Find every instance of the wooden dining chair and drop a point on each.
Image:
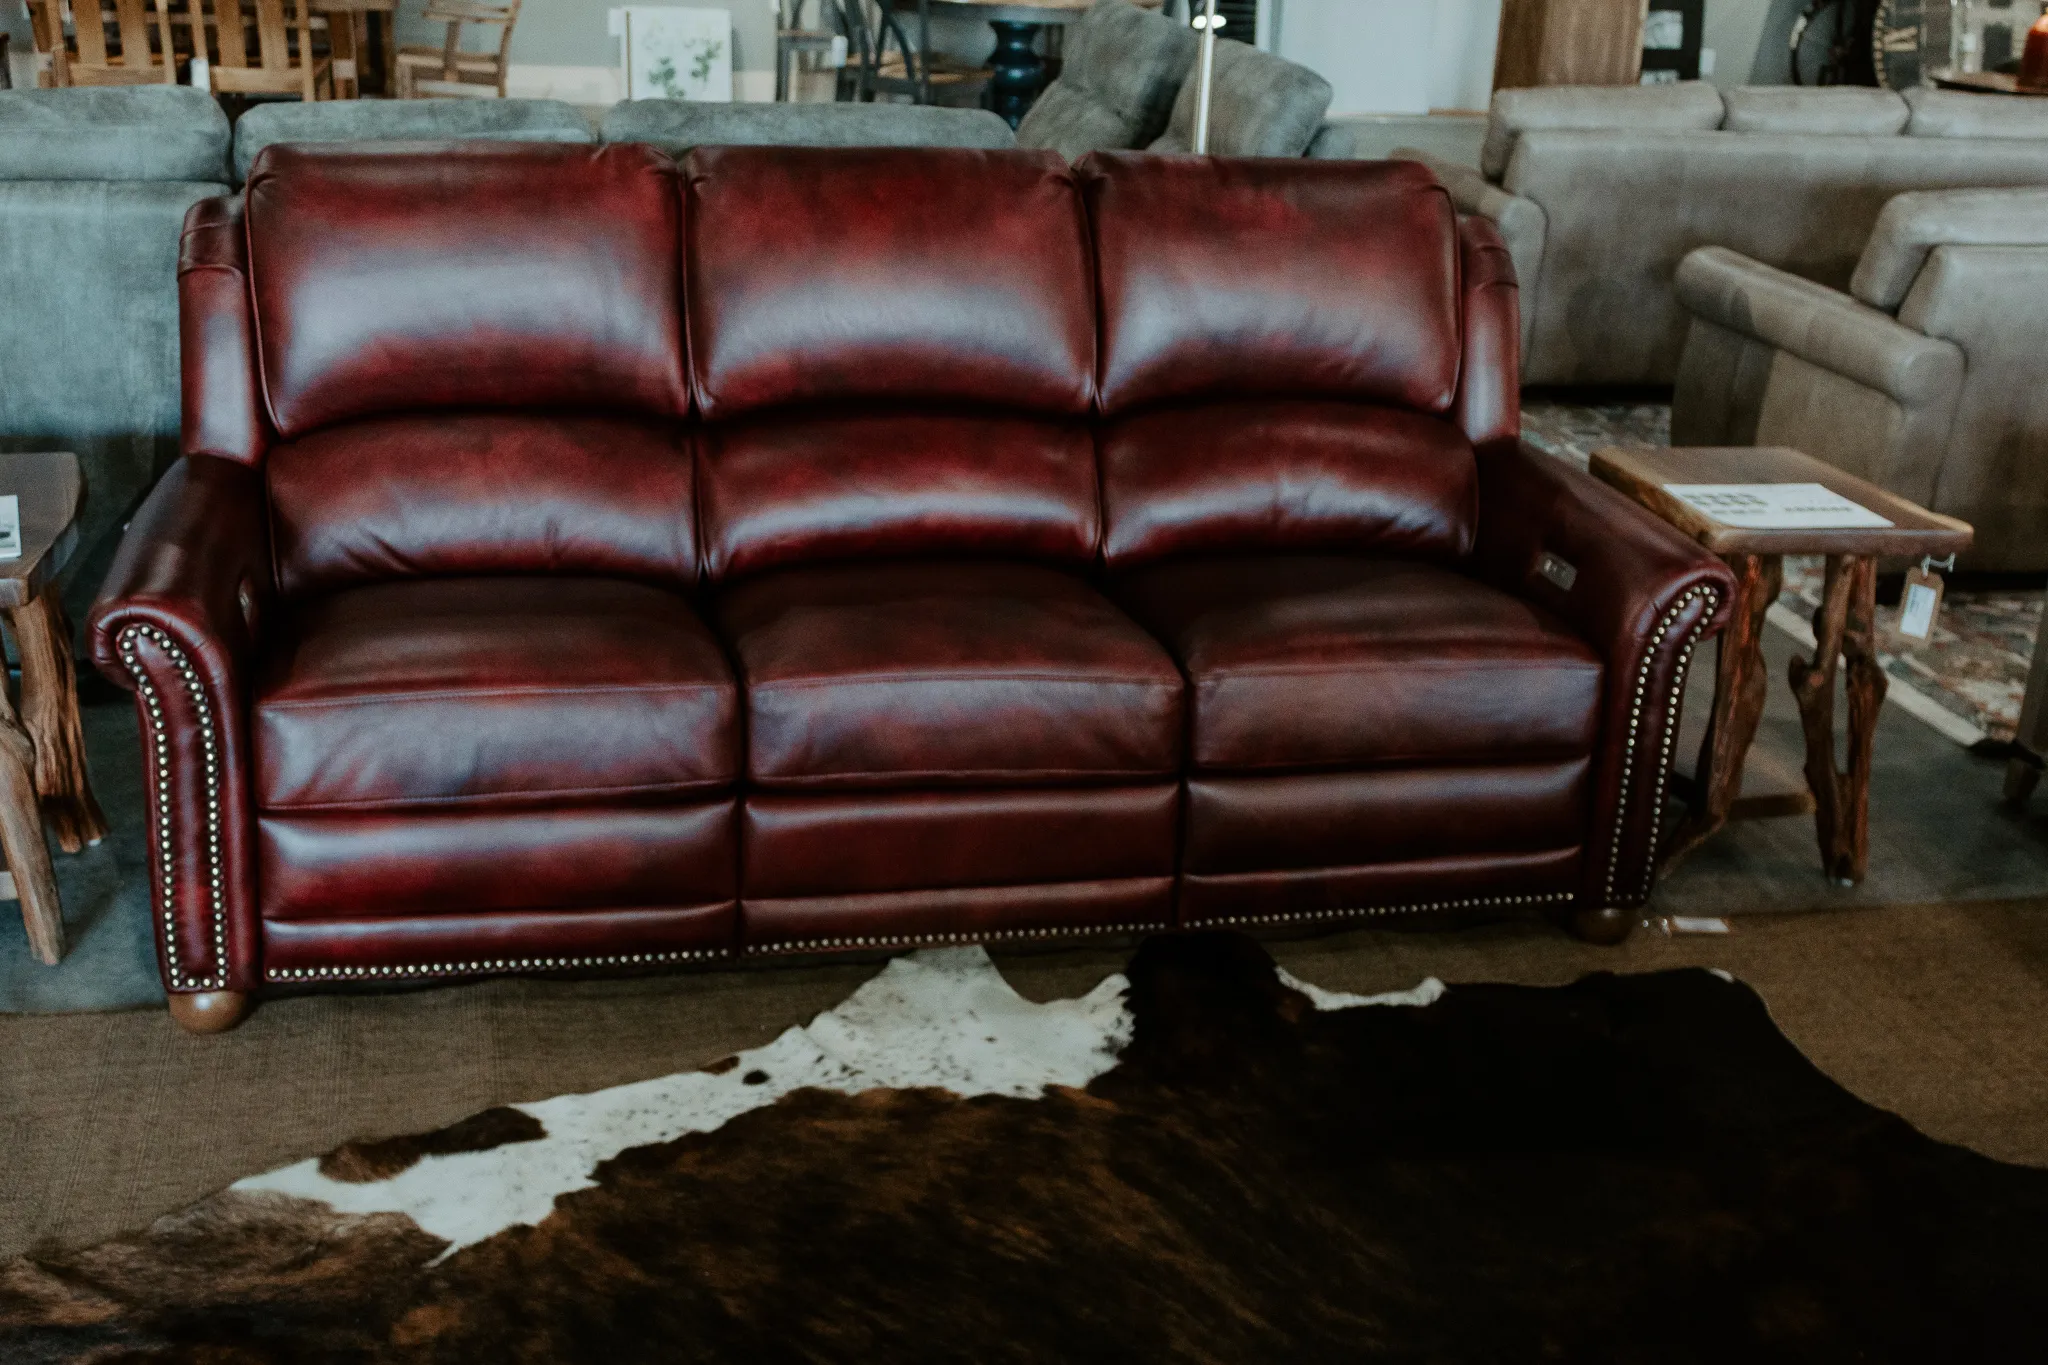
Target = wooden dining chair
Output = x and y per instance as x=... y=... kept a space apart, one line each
x=448 y=70
x=916 y=70
x=120 y=42
x=261 y=47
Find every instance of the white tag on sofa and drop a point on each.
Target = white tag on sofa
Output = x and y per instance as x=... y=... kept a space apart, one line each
x=10 y=526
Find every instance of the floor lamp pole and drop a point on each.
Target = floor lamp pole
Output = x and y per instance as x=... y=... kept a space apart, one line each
x=1207 y=78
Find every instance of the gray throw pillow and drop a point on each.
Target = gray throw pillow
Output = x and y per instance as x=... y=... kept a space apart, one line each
x=1116 y=90
x=1261 y=105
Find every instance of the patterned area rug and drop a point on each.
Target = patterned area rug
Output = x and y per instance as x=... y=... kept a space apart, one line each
x=1201 y=1160
x=1973 y=671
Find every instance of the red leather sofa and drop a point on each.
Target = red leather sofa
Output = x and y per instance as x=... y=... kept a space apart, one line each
x=581 y=562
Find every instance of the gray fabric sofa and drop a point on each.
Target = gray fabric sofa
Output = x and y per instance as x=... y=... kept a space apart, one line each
x=94 y=184
x=675 y=126
x=406 y=120
x=1600 y=193
x=1130 y=80
x=1928 y=376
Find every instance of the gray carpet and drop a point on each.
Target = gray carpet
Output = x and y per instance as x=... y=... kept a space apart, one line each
x=111 y=960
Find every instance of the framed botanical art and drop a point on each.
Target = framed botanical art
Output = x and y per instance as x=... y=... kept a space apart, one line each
x=674 y=53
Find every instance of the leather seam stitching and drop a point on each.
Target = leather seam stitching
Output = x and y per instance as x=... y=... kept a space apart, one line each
x=1377 y=911
x=463 y=694
x=500 y=800
x=927 y=940
x=481 y=965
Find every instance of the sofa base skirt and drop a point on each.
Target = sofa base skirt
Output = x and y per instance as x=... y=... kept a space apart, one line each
x=394 y=949
x=1468 y=884
x=980 y=914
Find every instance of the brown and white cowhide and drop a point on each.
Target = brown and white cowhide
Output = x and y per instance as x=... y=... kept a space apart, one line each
x=1202 y=1160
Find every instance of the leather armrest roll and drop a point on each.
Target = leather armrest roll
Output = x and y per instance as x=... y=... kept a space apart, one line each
x=1820 y=326
x=1641 y=594
x=177 y=622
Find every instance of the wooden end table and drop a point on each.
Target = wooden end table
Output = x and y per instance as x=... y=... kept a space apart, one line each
x=1844 y=627
x=42 y=748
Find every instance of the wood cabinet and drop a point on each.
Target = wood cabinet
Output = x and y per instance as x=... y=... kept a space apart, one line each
x=1569 y=42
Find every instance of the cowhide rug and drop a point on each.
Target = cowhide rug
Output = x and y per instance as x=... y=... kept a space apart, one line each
x=1207 y=1161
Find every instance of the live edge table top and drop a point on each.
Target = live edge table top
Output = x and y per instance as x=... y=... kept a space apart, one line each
x=50 y=491
x=1642 y=472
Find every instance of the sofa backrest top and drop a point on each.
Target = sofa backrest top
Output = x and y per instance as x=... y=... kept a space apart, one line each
x=1959 y=113
x=509 y=275
x=1689 y=106
x=408 y=121
x=151 y=132
x=1252 y=279
x=1835 y=110
x=1260 y=105
x=676 y=126
x=1913 y=225
x=1122 y=68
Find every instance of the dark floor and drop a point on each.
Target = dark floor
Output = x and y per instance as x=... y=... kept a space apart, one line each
x=1925 y=991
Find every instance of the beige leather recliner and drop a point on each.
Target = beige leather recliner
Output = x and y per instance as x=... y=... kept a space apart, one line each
x=1599 y=193
x=1929 y=376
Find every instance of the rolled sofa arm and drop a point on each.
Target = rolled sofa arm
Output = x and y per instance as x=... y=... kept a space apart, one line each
x=1641 y=594
x=177 y=623
x=1820 y=326
x=1524 y=227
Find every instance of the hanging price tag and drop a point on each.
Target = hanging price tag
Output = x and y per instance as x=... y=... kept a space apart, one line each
x=1920 y=603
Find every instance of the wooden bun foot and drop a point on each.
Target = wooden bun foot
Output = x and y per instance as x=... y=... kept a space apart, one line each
x=1606 y=926
x=209 y=1011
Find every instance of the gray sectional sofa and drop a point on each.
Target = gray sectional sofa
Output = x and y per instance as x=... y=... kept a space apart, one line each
x=1600 y=193
x=94 y=184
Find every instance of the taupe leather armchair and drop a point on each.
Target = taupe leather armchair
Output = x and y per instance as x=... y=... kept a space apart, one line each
x=1929 y=377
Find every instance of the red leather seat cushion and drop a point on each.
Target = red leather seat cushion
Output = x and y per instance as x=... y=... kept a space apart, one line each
x=946 y=673
x=1323 y=662
x=463 y=692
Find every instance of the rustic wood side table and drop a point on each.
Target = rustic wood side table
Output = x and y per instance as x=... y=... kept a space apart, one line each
x=1844 y=627
x=42 y=748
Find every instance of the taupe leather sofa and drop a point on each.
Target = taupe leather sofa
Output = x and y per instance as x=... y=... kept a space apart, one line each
x=1600 y=193
x=1929 y=376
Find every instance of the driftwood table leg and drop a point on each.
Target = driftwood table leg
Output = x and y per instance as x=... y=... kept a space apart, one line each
x=1741 y=685
x=49 y=711
x=1843 y=628
x=21 y=839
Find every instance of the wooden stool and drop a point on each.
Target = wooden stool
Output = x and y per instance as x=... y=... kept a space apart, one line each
x=1844 y=627
x=42 y=749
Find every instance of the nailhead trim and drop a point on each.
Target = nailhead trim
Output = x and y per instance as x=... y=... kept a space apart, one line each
x=158 y=746
x=502 y=964
x=1380 y=911
x=931 y=940
x=1635 y=721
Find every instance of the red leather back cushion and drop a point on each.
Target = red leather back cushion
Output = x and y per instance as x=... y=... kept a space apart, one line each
x=934 y=274
x=486 y=493
x=782 y=489
x=407 y=276
x=1286 y=475
x=1261 y=278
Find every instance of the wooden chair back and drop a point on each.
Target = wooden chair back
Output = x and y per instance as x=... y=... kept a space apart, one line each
x=260 y=47
x=461 y=72
x=114 y=42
